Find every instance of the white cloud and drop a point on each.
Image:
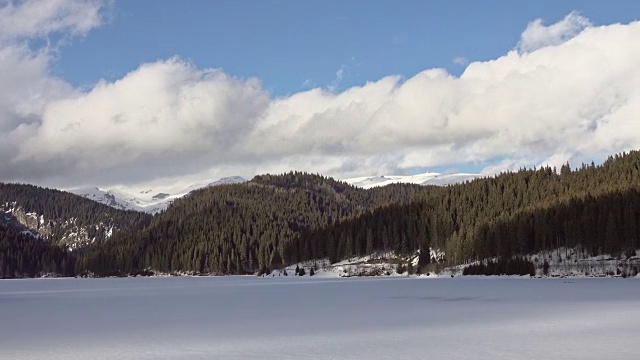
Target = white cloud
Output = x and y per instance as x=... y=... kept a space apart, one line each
x=36 y=18
x=338 y=79
x=537 y=35
x=460 y=60
x=340 y=73
x=576 y=100
x=26 y=86
x=167 y=107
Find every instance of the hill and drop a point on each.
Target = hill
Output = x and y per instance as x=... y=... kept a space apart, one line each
x=44 y=230
x=62 y=218
x=239 y=228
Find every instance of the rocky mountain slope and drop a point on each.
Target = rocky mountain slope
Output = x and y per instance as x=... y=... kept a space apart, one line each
x=61 y=218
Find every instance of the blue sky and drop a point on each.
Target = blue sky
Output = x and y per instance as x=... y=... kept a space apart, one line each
x=158 y=93
x=296 y=45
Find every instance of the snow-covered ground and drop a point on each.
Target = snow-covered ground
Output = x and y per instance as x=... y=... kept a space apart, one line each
x=376 y=264
x=578 y=262
x=302 y=318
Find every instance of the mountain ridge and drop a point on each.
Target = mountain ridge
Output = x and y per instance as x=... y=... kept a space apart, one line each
x=153 y=202
x=428 y=178
x=61 y=218
x=148 y=201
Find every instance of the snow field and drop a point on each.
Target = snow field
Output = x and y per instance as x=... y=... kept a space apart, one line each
x=246 y=317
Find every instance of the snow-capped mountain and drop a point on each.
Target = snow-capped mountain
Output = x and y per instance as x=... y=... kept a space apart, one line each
x=147 y=200
x=429 y=178
x=152 y=202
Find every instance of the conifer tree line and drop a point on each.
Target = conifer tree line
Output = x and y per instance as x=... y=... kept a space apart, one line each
x=594 y=207
x=23 y=256
x=275 y=220
x=501 y=266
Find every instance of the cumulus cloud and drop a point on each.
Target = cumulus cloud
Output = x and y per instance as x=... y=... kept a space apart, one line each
x=556 y=98
x=537 y=35
x=161 y=109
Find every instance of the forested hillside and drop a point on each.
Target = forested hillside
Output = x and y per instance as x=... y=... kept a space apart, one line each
x=240 y=228
x=62 y=218
x=43 y=231
x=23 y=255
x=595 y=207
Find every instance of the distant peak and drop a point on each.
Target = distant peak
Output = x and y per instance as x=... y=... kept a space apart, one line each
x=160 y=196
x=428 y=178
x=228 y=180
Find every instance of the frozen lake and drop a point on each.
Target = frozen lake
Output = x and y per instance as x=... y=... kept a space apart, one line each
x=289 y=318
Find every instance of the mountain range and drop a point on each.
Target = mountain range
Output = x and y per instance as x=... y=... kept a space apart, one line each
x=153 y=202
x=507 y=224
x=428 y=178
